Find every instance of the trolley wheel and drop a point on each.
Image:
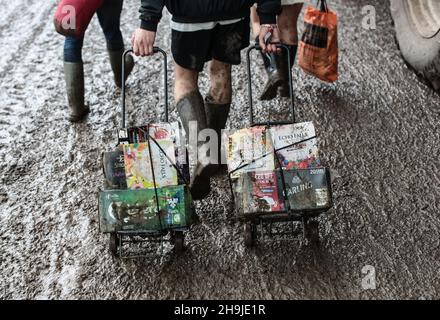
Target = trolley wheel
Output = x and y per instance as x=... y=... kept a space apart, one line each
x=114 y=243
x=312 y=232
x=249 y=235
x=179 y=240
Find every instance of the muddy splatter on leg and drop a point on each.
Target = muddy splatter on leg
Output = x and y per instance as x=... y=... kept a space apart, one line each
x=221 y=84
x=186 y=81
x=217 y=107
x=287 y=23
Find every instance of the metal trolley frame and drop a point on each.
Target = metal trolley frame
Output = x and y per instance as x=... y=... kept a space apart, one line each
x=176 y=235
x=265 y=220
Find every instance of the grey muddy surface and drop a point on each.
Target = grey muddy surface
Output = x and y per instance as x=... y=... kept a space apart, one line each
x=379 y=132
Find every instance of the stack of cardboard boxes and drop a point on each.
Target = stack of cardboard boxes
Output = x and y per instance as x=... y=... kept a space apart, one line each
x=142 y=179
x=258 y=159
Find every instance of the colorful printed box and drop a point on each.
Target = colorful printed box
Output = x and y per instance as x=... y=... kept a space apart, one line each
x=259 y=193
x=136 y=210
x=300 y=156
x=307 y=189
x=114 y=170
x=159 y=132
x=251 y=147
x=139 y=168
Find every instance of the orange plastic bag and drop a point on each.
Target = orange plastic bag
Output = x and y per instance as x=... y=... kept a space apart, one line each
x=318 y=48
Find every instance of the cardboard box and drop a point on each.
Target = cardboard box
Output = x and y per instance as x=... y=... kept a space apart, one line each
x=136 y=210
x=251 y=146
x=303 y=154
x=307 y=189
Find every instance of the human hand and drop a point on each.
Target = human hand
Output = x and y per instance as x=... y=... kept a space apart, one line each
x=269 y=38
x=142 y=42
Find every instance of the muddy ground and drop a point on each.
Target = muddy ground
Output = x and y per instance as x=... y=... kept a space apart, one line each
x=379 y=132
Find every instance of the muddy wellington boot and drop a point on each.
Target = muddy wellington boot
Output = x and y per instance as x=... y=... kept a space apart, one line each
x=192 y=108
x=74 y=76
x=216 y=117
x=274 y=76
x=284 y=89
x=116 y=63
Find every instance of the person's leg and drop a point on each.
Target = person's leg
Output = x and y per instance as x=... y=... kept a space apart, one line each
x=188 y=98
x=186 y=81
x=190 y=52
x=190 y=107
x=229 y=40
x=218 y=104
x=73 y=50
x=74 y=77
x=220 y=91
x=255 y=21
x=274 y=78
x=109 y=16
x=276 y=64
x=288 y=24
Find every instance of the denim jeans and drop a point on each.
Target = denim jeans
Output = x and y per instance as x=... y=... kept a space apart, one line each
x=109 y=16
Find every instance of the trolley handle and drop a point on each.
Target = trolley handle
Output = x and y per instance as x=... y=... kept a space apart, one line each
x=165 y=64
x=249 y=78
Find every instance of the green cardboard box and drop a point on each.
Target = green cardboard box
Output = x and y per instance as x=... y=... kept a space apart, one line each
x=136 y=210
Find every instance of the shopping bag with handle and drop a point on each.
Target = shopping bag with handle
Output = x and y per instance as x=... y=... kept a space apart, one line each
x=318 y=48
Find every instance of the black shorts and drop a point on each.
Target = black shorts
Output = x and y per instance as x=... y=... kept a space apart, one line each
x=191 y=50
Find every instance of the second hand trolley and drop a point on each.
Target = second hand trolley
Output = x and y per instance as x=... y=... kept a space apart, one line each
x=146 y=208
x=265 y=220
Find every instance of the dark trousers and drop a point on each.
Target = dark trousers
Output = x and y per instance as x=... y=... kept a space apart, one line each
x=109 y=16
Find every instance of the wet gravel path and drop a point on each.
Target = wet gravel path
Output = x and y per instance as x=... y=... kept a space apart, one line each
x=378 y=128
